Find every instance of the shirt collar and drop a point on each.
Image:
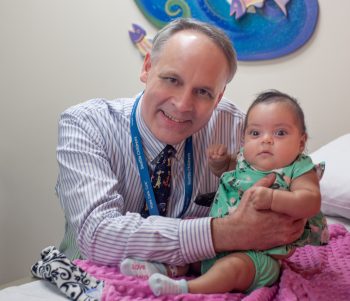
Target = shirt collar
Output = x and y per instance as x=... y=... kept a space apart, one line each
x=151 y=145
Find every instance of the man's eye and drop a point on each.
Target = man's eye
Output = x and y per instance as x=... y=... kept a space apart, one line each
x=204 y=92
x=171 y=80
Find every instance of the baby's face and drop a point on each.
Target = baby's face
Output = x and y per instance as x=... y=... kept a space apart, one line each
x=273 y=138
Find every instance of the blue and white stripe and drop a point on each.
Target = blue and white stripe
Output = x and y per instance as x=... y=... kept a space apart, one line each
x=101 y=194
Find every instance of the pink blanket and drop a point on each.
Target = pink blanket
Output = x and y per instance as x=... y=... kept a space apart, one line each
x=312 y=273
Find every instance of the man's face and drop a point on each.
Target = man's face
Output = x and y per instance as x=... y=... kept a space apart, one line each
x=184 y=84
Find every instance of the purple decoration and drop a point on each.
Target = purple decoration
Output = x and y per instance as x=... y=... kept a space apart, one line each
x=137 y=34
x=237 y=8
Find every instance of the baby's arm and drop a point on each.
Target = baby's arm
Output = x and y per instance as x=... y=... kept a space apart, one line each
x=219 y=160
x=302 y=201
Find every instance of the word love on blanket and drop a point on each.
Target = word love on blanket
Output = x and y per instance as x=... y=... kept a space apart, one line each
x=312 y=273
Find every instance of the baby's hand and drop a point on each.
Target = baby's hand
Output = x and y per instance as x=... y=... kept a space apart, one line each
x=261 y=197
x=217 y=153
x=218 y=158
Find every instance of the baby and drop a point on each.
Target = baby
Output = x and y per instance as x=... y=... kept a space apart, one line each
x=274 y=141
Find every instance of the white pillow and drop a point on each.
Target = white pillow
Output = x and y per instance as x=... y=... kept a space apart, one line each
x=335 y=183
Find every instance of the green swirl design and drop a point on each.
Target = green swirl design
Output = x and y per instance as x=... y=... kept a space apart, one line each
x=181 y=8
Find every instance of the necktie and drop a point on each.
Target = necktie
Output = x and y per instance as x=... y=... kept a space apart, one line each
x=161 y=179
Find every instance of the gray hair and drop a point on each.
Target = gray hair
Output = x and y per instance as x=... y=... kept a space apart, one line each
x=212 y=32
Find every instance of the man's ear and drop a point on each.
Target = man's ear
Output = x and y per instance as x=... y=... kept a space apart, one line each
x=145 y=67
x=220 y=97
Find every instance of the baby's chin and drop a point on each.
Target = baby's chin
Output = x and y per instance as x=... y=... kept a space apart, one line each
x=266 y=166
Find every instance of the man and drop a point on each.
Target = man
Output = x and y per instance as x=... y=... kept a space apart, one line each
x=106 y=148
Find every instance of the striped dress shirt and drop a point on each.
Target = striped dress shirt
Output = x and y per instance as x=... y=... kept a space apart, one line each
x=100 y=190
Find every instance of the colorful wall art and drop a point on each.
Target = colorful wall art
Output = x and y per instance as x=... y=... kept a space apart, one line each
x=259 y=29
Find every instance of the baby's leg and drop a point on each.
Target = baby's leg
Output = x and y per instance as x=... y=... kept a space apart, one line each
x=144 y=269
x=235 y=271
x=232 y=272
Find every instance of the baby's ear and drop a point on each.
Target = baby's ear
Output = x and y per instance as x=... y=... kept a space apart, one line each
x=303 y=139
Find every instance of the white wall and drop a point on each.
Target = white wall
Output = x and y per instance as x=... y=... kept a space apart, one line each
x=57 y=53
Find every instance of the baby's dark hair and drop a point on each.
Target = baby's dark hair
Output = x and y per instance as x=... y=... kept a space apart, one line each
x=271 y=96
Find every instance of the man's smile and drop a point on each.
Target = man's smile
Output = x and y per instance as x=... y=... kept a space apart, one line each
x=172 y=118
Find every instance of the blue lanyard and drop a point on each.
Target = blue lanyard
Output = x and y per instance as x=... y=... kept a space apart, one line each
x=143 y=168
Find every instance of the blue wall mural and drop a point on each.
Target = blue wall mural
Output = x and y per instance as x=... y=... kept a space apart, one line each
x=259 y=29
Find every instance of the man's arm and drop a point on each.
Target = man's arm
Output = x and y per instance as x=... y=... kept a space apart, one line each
x=248 y=228
x=96 y=209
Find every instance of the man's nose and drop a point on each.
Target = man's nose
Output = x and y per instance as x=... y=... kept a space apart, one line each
x=184 y=100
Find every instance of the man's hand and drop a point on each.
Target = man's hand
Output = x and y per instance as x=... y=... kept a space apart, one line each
x=248 y=228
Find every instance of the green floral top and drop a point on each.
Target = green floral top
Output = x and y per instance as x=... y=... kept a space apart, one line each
x=234 y=183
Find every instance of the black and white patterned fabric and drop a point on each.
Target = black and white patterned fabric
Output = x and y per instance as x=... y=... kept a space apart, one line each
x=71 y=280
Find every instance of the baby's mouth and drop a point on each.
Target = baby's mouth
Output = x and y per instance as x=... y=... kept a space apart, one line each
x=265 y=153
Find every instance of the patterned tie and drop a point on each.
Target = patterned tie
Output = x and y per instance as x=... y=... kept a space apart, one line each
x=161 y=179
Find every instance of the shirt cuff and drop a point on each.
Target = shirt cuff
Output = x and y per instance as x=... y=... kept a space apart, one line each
x=196 y=240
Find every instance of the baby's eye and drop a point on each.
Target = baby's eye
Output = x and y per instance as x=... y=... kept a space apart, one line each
x=281 y=133
x=254 y=133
